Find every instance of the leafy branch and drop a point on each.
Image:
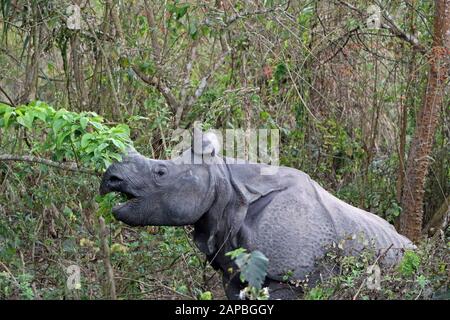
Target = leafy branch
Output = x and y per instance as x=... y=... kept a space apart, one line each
x=80 y=138
x=253 y=270
x=71 y=166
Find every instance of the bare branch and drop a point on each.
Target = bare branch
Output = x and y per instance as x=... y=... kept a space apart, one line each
x=240 y=15
x=152 y=26
x=204 y=81
x=200 y=89
x=188 y=70
x=69 y=166
x=116 y=21
x=395 y=29
x=391 y=26
x=11 y=101
x=157 y=83
x=103 y=233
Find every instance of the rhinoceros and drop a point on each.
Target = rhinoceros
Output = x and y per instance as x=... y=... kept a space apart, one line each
x=285 y=215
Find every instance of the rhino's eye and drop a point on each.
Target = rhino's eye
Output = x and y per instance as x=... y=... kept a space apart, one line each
x=160 y=172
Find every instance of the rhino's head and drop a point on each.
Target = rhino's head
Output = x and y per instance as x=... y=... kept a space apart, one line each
x=159 y=192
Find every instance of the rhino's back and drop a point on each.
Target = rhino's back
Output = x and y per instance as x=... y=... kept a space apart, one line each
x=300 y=222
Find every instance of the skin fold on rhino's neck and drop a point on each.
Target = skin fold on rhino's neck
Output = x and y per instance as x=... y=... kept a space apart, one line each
x=213 y=232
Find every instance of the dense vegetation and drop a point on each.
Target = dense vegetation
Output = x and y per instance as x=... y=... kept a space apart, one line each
x=362 y=108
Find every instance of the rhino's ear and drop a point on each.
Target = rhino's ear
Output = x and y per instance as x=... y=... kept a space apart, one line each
x=207 y=143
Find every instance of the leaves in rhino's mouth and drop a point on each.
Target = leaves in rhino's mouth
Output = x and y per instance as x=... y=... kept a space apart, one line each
x=121 y=198
x=107 y=202
x=113 y=198
x=126 y=195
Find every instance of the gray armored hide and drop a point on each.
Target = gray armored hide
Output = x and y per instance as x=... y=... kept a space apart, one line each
x=284 y=214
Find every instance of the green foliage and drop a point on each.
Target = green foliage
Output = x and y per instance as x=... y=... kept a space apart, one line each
x=421 y=274
x=410 y=263
x=21 y=284
x=207 y=295
x=179 y=9
x=106 y=203
x=70 y=136
x=253 y=269
x=236 y=253
x=318 y=293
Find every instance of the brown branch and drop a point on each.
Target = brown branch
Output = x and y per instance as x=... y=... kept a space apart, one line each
x=188 y=70
x=397 y=31
x=106 y=259
x=440 y=219
x=11 y=101
x=341 y=48
x=108 y=68
x=245 y=14
x=69 y=166
x=157 y=83
x=382 y=254
x=116 y=21
x=185 y=105
x=152 y=26
x=204 y=81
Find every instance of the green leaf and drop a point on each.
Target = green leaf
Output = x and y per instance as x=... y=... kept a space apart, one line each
x=85 y=140
x=410 y=263
x=61 y=137
x=207 y=295
x=235 y=253
x=116 y=156
x=179 y=10
x=84 y=122
x=60 y=113
x=26 y=120
x=100 y=148
x=119 y=144
x=40 y=113
x=97 y=125
x=107 y=162
x=6 y=116
x=57 y=125
x=182 y=10
x=4 y=108
x=253 y=268
x=193 y=30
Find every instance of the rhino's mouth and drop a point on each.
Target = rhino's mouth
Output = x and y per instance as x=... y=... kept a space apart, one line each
x=127 y=199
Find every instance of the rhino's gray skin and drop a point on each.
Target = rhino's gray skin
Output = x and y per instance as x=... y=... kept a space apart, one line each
x=287 y=216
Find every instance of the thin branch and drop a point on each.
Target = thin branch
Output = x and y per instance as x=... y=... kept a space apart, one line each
x=185 y=105
x=341 y=48
x=391 y=26
x=188 y=70
x=152 y=26
x=108 y=68
x=157 y=83
x=204 y=81
x=382 y=254
x=116 y=21
x=107 y=260
x=12 y=103
x=240 y=15
x=395 y=29
x=69 y=166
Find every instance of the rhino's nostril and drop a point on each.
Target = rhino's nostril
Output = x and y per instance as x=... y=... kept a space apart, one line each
x=115 y=179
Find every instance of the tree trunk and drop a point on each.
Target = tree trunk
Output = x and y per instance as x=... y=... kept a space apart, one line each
x=426 y=122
